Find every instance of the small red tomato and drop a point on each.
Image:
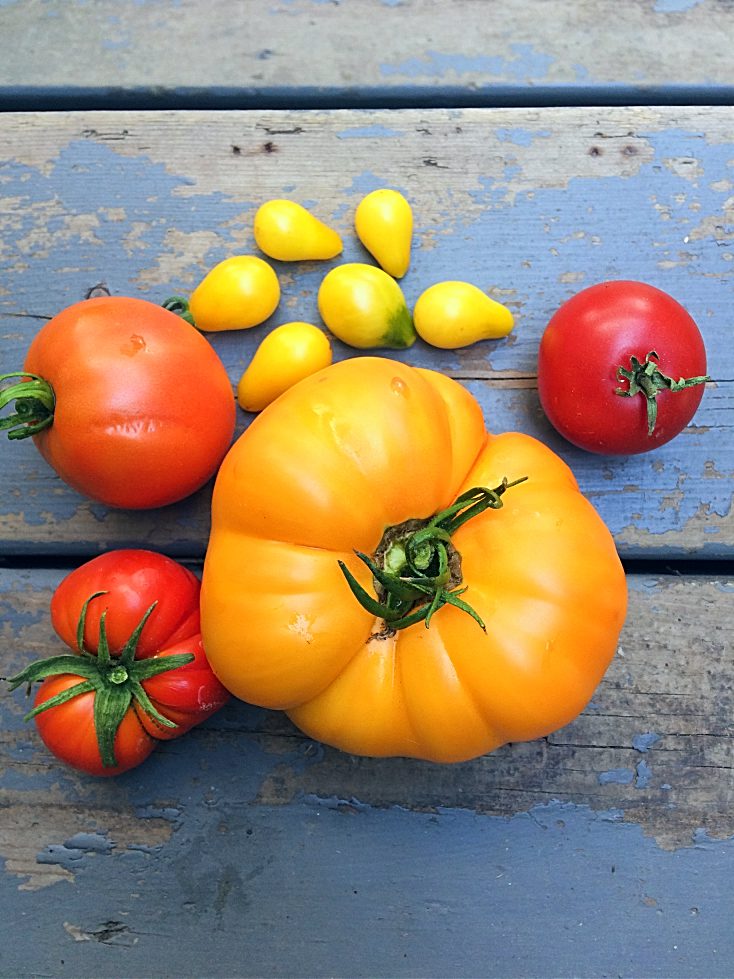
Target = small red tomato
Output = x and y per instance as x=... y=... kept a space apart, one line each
x=621 y=368
x=138 y=673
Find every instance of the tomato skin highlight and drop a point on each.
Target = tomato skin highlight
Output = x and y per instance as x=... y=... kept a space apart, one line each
x=144 y=409
x=105 y=597
x=366 y=445
x=589 y=338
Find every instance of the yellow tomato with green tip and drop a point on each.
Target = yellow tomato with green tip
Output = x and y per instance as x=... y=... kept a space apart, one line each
x=236 y=294
x=384 y=224
x=365 y=307
x=287 y=355
x=456 y=314
x=288 y=232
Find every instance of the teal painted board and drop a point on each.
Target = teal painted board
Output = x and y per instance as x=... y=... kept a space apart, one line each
x=530 y=206
x=246 y=849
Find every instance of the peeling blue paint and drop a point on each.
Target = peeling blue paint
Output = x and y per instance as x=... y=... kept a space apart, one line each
x=675 y=6
x=146 y=192
x=643 y=775
x=368 y=132
x=524 y=63
x=245 y=872
x=617 y=776
x=564 y=230
x=72 y=851
x=643 y=742
x=522 y=137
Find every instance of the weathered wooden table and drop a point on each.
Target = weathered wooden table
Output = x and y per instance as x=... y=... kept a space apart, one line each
x=245 y=849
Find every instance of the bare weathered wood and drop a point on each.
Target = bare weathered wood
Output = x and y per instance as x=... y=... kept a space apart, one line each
x=529 y=205
x=361 y=46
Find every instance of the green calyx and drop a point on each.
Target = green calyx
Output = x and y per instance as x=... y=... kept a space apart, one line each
x=34 y=404
x=417 y=570
x=117 y=682
x=400 y=331
x=180 y=306
x=647 y=379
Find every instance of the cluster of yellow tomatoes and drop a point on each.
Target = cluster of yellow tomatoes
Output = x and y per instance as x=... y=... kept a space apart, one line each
x=360 y=304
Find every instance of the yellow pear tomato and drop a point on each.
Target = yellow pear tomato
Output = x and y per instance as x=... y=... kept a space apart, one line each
x=365 y=307
x=288 y=232
x=240 y=292
x=384 y=224
x=287 y=355
x=456 y=314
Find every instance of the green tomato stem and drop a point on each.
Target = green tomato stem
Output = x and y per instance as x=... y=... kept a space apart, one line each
x=180 y=306
x=416 y=570
x=35 y=402
x=647 y=379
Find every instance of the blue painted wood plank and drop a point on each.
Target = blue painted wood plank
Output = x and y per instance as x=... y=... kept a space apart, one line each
x=292 y=52
x=308 y=889
x=529 y=206
x=246 y=849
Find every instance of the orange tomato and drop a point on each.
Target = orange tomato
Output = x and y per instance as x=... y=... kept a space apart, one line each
x=140 y=410
x=363 y=446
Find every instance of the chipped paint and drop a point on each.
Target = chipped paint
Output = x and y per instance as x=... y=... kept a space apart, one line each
x=618 y=776
x=523 y=63
x=368 y=132
x=643 y=742
x=675 y=6
x=44 y=844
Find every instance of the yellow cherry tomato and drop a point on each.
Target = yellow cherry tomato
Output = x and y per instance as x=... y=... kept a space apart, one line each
x=364 y=307
x=240 y=292
x=456 y=314
x=288 y=232
x=384 y=224
x=287 y=355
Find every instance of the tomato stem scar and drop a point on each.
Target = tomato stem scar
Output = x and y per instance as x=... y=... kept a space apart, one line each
x=416 y=568
x=647 y=379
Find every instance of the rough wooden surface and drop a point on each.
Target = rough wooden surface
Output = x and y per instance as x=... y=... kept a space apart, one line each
x=245 y=849
x=249 y=833
x=365 y=49
x=530 y=205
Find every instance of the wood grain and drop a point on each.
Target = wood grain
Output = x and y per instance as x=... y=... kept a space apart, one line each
x=655 y=743
x=529 y=205
x=284 y=853
x=365 y=48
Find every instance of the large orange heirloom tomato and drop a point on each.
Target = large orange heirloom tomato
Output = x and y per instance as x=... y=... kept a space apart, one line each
x=400 y=581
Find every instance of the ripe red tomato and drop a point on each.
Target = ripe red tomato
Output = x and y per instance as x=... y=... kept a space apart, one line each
x=125 y=400
x=621 y=368
x=131 y=618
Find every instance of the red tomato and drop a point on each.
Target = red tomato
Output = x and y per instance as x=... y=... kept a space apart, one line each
x=127 y=401
x=131 y=618
x=69 y=731
x=621 y=368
